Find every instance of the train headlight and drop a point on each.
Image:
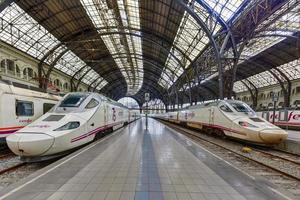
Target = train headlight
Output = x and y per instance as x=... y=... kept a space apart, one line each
x=68 y=126
x=247 y=124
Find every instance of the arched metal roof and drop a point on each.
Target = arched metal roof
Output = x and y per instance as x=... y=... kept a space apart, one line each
x=126 y=48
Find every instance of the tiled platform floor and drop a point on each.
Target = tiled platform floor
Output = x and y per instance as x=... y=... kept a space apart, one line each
x=141 y=164
x=294 y=135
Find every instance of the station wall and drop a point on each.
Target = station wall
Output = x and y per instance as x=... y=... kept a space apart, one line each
x=20 y=67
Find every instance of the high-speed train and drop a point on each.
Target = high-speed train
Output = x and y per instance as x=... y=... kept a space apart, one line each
x=73 y=122
x=19 y=107
x=229 y=118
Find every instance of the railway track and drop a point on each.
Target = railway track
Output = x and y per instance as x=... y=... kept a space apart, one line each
x=12 y=168
x=295 y=159
x=281 y=168
x=6 y=155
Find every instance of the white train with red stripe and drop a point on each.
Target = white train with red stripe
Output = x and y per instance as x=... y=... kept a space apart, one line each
x=73 y=122
x=19 y=107
x=229 y=118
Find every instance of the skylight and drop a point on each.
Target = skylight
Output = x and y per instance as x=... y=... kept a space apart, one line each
x=23 y=32
x=190 y=37
x=288 y=24
x=102 y=16
x=291 y=70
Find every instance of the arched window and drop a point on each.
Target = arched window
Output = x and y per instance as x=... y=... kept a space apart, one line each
x=28 y=73
x=298 y=90
x=262 y=96
x=281 y=93
x=10 y=66
x=280 y=104
x=3 y=66
x=66 y=86
x=18 y=71
x=270 y=105
x=297 y=103
x=57 y=83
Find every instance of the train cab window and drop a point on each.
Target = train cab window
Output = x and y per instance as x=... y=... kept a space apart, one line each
x=225 y=108
x=24 y=108
x=239 y=107
x=47 y=107
x=73 y=100
x=92 y=104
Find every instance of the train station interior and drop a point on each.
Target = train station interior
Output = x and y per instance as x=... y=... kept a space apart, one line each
x=149 y=99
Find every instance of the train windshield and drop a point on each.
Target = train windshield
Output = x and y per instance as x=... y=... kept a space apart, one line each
x=241 y=107
x=73 y=100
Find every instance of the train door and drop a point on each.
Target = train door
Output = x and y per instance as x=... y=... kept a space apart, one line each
x=211 y=115
x=105 y=114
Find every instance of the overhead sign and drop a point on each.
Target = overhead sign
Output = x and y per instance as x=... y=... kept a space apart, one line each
x=147 y=96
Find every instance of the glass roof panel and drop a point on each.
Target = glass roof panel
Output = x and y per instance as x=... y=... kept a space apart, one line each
x=287 y=24
x=128 y=16
x=225 y=8
x=189 y=39
x=239 y=87
x=23 y=32
x=291 y=70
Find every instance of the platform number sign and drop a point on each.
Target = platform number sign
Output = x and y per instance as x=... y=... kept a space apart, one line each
x=147 y=97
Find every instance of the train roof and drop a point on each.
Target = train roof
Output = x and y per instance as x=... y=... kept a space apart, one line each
x=213 y=103
x=103 y=98
x=11 y=89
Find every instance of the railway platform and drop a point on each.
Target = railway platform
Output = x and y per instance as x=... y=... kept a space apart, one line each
x=142 y=164
x=294 y=135
x=292 y=144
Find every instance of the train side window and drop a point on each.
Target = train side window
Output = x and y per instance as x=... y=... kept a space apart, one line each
x=92 y=104
x=24 y=108
x=225 y=108
x=47 y=107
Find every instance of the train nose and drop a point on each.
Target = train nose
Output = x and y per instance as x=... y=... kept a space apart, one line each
x=273 y=136
x=29 y=144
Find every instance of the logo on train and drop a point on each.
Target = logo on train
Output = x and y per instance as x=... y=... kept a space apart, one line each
x=39 y=126
x=25 y=121
x=114 y=117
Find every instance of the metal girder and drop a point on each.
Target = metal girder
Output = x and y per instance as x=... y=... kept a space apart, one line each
x=51 y=67
x=250 y=19
x=253 y=95
x=148 y=59
x=119 y=85
x=93 y=82
x=286 y=91
x=212 y=42
x=137 y=35
x=79 y=18
x=80 y=79
x=73 y=77
x=95 y=87
x=149 y=39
